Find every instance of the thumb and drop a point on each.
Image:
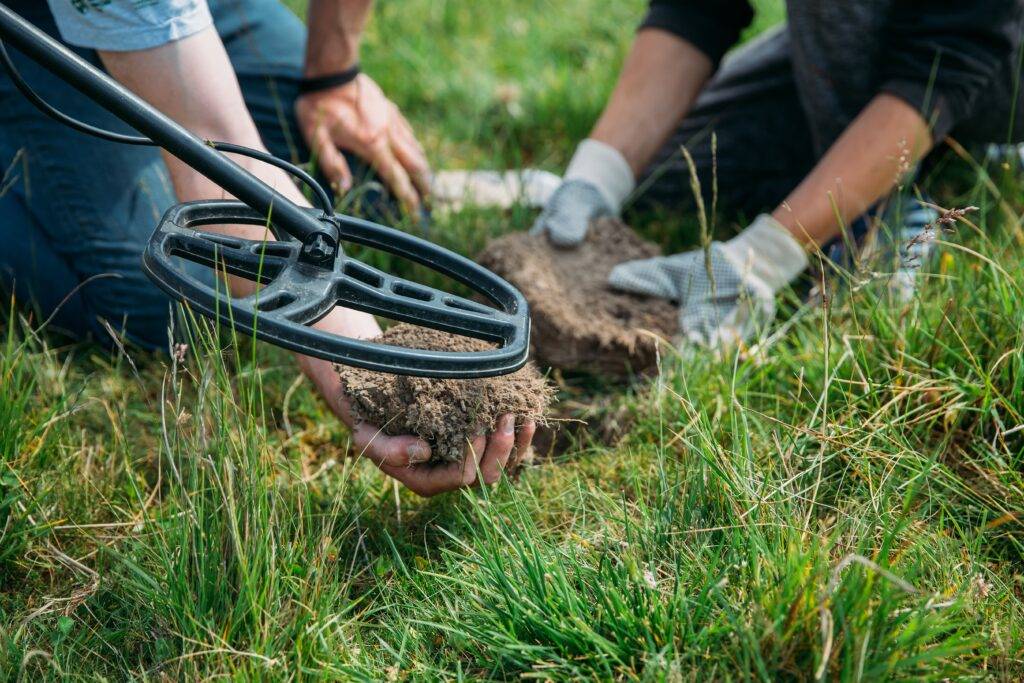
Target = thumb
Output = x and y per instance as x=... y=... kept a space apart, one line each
x=331 y=161
x=568 y=228
x=569 y=212
x=396 y=451
x=564 y=223
x=564 y=226
x=649 y=277
x=540 y=225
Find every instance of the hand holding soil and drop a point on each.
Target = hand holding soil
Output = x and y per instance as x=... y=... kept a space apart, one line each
x=451 y=415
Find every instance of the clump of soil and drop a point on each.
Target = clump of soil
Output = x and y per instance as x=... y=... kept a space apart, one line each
x=446 y=413
x=579 y=322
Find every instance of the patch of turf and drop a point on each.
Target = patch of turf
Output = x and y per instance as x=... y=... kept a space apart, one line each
x=842 y=503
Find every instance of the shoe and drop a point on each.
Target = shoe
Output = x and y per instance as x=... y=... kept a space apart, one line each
x=1008 y=155
x=907 y=246
x=900 y=246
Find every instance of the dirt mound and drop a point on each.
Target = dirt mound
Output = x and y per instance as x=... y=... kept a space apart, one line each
x=579 y=323
x=444 y=412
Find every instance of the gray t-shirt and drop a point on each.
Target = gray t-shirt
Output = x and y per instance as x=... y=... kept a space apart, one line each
x=120 y=25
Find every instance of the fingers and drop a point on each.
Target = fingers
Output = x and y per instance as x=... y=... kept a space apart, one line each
x=475 y=451
x=331 y=161
x=427 y=480
x=409 y=153
x=360 y=119
x=567 y=229
x=555 y=218
x=654 y=277
x=383 y=159
x=431 y=479
x=569 y=211
x=485 y=459
x=498 y=450
x=393 y=451
x=369 y=441
x=540 y=225
x=521 y=451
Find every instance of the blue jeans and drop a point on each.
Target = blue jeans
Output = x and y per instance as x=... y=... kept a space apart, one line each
x=80 y=211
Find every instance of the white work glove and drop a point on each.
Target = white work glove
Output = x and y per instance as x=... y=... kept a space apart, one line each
x=596 y=183
x=452 y=190
x=747 y=272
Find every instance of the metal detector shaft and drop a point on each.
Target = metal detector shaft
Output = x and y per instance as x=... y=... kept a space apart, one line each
x=296 y=283
x=141 y=116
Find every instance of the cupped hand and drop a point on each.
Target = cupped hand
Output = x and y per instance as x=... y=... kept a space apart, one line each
x=486 y=457
x=406 y=458
x=359 y=118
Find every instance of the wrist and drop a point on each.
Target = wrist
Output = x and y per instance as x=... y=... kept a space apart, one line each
x=768 y=251
x=339 y=52
x=605 y=168
x=343 y=322
x=329 y=81
x=330 y=53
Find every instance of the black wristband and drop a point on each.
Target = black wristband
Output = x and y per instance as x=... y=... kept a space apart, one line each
x=335 y=80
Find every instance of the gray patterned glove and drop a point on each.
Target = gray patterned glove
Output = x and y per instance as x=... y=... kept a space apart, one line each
x=567 y=215
x=727 y=297
x=596 y=183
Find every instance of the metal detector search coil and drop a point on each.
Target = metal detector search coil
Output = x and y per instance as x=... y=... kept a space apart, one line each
x=296 y=294
x=303 y=274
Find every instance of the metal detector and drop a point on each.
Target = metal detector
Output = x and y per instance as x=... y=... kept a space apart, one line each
x=304 y=273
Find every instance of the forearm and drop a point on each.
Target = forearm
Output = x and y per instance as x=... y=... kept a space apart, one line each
x=335 y=33
x=660 y=80
x=868 y=160
x=192 y=82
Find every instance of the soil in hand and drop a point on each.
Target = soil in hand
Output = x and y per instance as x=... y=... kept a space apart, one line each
x=447 y=413
x=579 y=322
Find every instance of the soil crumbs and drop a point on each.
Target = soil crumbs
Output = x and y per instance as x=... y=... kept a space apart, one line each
x=446 y=413
x=579 y=322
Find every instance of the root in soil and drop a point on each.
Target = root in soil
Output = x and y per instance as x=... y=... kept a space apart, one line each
x=579 y=322
x=447 y=413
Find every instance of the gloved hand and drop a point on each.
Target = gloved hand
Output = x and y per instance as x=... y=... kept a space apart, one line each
x=728 y=296
x=595 y=185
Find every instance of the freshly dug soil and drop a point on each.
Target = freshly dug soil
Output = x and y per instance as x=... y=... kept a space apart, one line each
x=579 y=322
x=444 y=412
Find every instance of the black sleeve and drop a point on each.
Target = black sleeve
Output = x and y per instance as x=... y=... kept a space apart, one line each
x=713 y=26
x=942 y=54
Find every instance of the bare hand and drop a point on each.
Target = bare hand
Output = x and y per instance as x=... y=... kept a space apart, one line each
x=485 y=459
x=406 y=457
x=359 y=118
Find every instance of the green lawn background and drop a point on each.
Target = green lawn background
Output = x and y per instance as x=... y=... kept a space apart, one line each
x=842 y=504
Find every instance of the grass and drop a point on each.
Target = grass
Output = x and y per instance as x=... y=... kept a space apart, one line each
x=844 y=505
